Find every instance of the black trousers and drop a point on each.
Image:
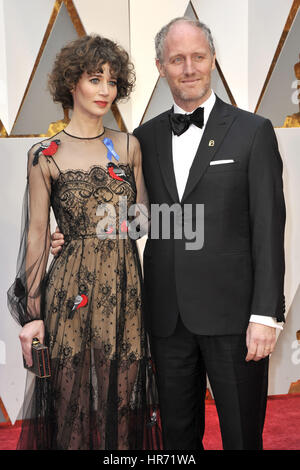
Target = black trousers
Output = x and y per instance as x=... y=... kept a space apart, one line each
x=183 y=360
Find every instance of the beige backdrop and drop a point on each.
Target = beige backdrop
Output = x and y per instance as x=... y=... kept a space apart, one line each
x=257 y=44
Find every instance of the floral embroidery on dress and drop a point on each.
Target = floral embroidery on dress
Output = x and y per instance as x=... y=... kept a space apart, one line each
x=98 y=393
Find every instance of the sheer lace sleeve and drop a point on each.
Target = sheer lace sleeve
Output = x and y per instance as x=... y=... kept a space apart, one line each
x=26 y=293
x=142 y=199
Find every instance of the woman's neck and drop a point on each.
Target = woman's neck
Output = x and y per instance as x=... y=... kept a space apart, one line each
x=87 y=127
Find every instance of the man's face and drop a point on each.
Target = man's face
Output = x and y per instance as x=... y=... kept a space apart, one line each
x=187 y=65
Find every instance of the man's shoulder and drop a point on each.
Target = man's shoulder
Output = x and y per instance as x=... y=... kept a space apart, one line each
x=243 y=114
x=151 y=123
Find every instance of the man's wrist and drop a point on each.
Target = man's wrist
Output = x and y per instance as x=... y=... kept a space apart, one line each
x=265 y=320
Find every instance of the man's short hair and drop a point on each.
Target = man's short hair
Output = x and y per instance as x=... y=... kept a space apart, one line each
x=161 y=35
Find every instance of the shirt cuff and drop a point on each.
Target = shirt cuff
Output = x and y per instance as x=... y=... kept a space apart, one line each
x=264 y=320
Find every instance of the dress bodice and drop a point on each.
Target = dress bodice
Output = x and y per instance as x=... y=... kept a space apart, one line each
x=81 y=199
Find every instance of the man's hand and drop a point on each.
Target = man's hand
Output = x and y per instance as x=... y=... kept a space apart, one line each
x=260 y=340
x=33 y=329
x=57 y=241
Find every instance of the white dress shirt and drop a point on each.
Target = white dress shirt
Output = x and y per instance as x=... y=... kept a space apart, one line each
x=184 y=149
x=185 y=145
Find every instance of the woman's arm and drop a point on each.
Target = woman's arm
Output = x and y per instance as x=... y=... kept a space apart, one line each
x=24 y=296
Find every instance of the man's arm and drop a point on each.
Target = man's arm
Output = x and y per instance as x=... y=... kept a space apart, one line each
x=57 y=241
x=267 y=218
x=267 y=224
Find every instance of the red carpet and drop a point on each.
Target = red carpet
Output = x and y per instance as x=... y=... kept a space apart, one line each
x=281 y=432
x=282 y=424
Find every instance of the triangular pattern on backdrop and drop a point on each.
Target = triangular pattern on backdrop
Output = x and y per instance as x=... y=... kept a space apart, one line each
x=219 y=82
x=161 y=98
x=69 y=19
x=266 y=22
x=277 y=106
x=232 y=55
x=116 y=118
x=97 y=17
x=257 y=27
x=4 y=417
x=3 y=132
x=38 y=110
x=156 y=13
x=21 y=36
x=3 y=71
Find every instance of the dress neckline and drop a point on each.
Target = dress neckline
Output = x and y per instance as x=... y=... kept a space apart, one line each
x=84 y=138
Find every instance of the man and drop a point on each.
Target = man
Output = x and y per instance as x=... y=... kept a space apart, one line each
x=212 y=310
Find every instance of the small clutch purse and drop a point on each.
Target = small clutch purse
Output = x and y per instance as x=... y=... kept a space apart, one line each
x=40 y=358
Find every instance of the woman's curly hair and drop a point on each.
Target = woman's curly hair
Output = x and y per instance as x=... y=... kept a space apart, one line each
x=88 y=54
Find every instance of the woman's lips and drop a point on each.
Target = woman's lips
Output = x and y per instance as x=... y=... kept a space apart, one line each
x=102 y=104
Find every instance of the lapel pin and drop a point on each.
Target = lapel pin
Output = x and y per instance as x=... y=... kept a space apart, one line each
x=211 y=143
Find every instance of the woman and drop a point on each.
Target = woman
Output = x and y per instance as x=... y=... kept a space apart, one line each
x=98 y=395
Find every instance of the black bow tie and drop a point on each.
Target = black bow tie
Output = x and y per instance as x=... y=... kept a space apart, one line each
x=181 y=122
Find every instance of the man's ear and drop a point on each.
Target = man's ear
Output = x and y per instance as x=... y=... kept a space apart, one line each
x=160 y=68
x=213 y=62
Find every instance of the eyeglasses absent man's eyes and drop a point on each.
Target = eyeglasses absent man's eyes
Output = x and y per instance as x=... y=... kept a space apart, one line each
x=180 y=59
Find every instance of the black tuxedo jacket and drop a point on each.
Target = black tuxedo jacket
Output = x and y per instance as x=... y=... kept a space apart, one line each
x=239 y=271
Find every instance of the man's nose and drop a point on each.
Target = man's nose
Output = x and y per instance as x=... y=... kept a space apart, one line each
x=189 y=66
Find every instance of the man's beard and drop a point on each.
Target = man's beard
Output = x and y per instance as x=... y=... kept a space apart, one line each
x=186 y=96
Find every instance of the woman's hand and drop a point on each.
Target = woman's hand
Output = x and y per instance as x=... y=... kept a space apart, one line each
x=34 y=329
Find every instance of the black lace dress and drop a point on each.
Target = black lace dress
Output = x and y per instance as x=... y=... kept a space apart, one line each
x=101 y=393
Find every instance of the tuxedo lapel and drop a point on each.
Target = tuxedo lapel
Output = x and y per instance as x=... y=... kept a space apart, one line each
x=163 y=136
x=218 y=124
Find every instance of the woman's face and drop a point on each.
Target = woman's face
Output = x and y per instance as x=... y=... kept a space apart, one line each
x=94 y=94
